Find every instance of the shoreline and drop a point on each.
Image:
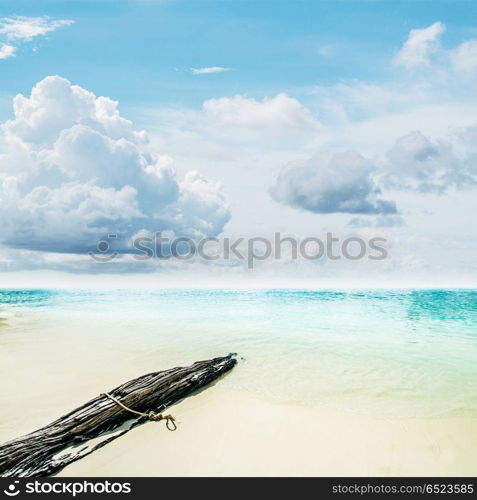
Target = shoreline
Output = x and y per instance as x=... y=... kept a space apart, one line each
x=228 y=432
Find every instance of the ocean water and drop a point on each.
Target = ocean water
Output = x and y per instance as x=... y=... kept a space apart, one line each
x=387 y=353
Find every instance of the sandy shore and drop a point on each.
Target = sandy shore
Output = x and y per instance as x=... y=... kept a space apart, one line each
x=223 y=432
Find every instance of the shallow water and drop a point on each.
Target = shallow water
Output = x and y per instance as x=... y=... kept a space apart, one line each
x=390 y=353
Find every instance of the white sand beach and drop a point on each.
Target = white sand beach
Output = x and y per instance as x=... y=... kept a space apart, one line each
x=319 y=391
x=225 y=432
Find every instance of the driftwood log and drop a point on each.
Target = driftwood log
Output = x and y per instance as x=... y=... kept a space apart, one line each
x=101 y=420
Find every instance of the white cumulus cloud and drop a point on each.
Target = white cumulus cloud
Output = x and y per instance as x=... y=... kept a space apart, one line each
x=72 y=169
x=415 y=162
x=328 y=182
x=419 y=45
x=280 y=111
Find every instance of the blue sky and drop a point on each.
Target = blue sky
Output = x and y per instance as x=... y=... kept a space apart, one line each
x=239 y=118
x=141 y=52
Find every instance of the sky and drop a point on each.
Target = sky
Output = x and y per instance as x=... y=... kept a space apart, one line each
x=238 y=119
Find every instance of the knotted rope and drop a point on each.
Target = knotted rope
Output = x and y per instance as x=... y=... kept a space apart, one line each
x=153 y=416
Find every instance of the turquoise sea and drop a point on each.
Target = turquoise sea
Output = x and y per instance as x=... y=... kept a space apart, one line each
x=389 y=353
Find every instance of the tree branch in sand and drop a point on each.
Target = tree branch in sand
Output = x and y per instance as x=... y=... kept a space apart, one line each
x=102 y=420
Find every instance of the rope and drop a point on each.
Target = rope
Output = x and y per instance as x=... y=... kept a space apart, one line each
x=153 y=416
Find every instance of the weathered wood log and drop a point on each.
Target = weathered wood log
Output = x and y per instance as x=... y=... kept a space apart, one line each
x=69 y=438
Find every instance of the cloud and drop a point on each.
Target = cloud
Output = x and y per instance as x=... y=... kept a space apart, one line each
x=21 y=29
x=7 y=51
x=368 y=116
x=332 y=183
x=420 y=44
x=325 y=51
x=280 y=112
x=72 y=169
x=417 y=163
x=357 y=101
x=348 y=183
x=27 y=28
x=233 y=129
x=198 y=199
x=381 y=221
x=464 y=57
x=209 y=70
